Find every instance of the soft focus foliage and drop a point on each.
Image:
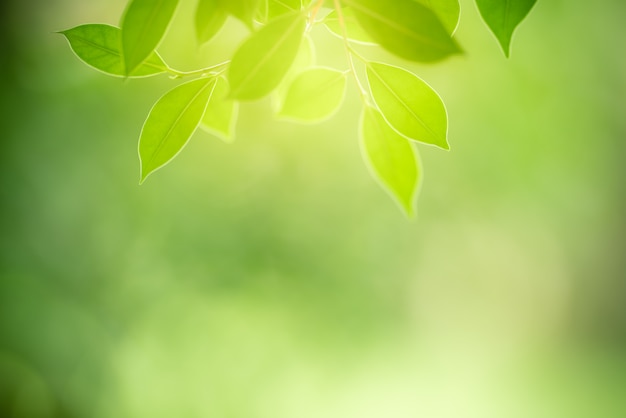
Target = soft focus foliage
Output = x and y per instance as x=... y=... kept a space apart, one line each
x=268 y=278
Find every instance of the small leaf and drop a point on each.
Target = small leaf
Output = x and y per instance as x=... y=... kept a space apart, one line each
x=405 y=28
x=210 y=17
x=244 y=10
x=354 y=31
x=171 y=122
x=314 y=95
x=448 y=11
x=264 y=58
x=503 y=16
x=143 y=26
x=221 y=112
x=393 y=160
x=410 y=105
x=98 y=46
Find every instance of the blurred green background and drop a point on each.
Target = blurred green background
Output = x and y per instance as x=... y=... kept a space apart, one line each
x=273 y=278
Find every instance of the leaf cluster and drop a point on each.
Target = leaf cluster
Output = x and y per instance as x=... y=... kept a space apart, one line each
x=400 y=109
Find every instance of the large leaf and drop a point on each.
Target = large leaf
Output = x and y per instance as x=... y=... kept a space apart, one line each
x=391 y=158
x=143 y=26
x=314 y=95
x=448 y=12
x=503 y=16
x=244 y=10
x=354 y=31
x=264 y=58
x=98 y=46
x=305 y=58
x=210 y=17
x=277 y=8
x=221 y=112
x=406 y=28
x=410 y=105
x=171 y=122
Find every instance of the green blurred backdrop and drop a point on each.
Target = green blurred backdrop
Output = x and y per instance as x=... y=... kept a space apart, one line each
x=273 y=278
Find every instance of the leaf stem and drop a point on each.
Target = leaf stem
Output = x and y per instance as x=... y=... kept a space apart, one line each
x=315 y=8
x=179 y=74
x=348 y=49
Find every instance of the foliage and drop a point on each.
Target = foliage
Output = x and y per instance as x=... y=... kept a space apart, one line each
x=399 y=108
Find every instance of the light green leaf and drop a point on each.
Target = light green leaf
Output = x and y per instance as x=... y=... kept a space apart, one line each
x=503 y=16
x=143 y=26
x=277 y=8
x=354 y=31
x=210 y=17
x=314 y=95
x=405 y=28
x=305 y=58
x=448 y=11
x=171 y=122
x=264 y=58
x=244 y=10
x=221 y=112
x=98 y=46
x=410 y=105
x=393 y=160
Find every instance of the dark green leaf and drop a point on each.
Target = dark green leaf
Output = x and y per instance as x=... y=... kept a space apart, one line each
x=410 y=105
x=314 y=95
x=264 y=58
x=143 y=26
x=393 y=161
x=210 y=17
x=405 y=28
x=171 y=122
x=503 y=16
x=98 y=46
x=221 y=112
x=448 y=11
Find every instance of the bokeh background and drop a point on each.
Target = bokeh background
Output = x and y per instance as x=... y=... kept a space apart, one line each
x=272 y=278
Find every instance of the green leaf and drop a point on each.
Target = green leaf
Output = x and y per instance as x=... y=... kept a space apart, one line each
x=143 y=26
x=244 y=10
x=393 y=160
x=305 y=58
x=410 y=105
x=210 y=17
x=221 y=112
x=314 y=95
x=264 y=58
x=448 y=12
x=503 y=16
x=277 y=8
x=171 y=122
x=354 y=31
x=98 y=46
x=405 y=28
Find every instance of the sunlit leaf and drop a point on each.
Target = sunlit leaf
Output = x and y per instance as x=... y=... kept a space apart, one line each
x=171 y=122
x=391 y=158
x=210 y=17
x=314 y=95
x=503 y=16
x=410 y=105
x=405 y=28
x=354 y=31
x=448 y=12
x=277 y=8
x=221 y=112
x=98 y=46
x=143 y=26
x=264 y=58
x=244 y=10
x=305 y=58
